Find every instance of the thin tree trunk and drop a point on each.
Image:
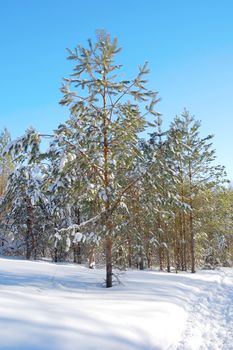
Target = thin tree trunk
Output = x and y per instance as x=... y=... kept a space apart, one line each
x=167 y=249
x=77 y=253
x=77 y=249
x=183 y=231
x=192 y=246
x=168 y=261
x=108 y=262
x=160 y=246
x=160 y=258
x=30 y=242
x=192 y=241
x=28 y=247
x=120 y=257
x=108 y=248
x=55 y=255
x=141 y=260
x=129 y=252
x=148 y=257
x=176 y=244
x=91 y=259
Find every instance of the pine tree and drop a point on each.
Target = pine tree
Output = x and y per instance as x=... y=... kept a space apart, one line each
x=194 y=158
x=102 y=132
x=23 y=198
x=6 y=164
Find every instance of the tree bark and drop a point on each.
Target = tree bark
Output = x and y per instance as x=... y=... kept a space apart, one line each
x=30 y=241
x=141 y=260
x=91 y=259
x=108 y=262
x=77 y=248
x=192 y=241
x=77 y=253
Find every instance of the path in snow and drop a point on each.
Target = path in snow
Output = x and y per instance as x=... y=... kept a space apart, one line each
x=210 y=324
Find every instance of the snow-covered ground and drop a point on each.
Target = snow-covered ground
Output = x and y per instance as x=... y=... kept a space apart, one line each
x=46 y=306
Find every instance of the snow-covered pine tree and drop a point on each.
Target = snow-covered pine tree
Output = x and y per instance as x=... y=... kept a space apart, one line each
x=6 y=164
x=160 y=193
x=214 y=239
x=6 y=167
x=25 y=216
x=196 y=171
x=24 y=198
x=107 y=114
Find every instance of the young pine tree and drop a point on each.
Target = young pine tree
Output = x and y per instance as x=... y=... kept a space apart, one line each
x=106 y=115
x=196 y=171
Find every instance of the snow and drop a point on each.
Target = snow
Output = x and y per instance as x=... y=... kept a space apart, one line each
x=47 y=306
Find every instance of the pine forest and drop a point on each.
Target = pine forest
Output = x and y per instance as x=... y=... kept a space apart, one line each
x=112 y=187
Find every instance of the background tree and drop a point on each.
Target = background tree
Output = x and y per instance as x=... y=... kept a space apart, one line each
x=6 y=164
x=196 y=171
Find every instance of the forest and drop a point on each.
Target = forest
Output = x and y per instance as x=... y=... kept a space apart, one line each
x=111 y=186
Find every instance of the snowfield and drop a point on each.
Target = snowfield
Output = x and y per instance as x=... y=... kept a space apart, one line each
x=47 y=306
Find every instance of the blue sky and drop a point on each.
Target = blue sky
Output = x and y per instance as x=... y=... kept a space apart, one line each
x=188 y=43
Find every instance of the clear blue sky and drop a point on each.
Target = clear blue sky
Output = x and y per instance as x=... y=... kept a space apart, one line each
x=188 y=43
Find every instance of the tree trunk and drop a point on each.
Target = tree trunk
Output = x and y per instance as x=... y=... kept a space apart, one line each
x=168 y=261
x=192 y=241
x=160 y=258
x=160 y=243
x=108 y=262
x=28 y=247
x=77 y=253
x=108 y=248
x=192 y=245
x=77 y=248
x=167 y=248
x=149 y=261
x=55 y=255
x=91 y=259
x=184 y=266
x=30 y=242
x=120 y=257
